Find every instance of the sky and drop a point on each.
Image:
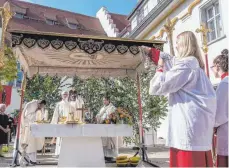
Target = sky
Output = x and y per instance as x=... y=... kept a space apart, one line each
x=89 y=7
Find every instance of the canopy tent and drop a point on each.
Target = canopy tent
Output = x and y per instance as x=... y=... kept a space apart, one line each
x=84 y=56
x=69 y=55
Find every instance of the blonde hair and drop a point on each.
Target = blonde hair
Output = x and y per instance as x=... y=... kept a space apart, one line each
x=189 y=47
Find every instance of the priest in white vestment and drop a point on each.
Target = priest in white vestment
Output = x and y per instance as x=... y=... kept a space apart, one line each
x=33 y=111
x=77 y=103
x=110 y=144
x=63 y=108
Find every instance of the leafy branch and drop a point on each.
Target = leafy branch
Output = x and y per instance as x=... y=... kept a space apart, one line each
x=9 y=71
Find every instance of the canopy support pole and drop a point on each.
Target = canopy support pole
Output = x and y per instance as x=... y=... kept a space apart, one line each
x=141 y=133
x=142 y=149
x=16 y=150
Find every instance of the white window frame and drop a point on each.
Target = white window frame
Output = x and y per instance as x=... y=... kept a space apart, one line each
x=50 y=21
x=72 y=25
x=141 y=15
x=126 y=35
x=134 y=22
x=159 y=1
x=146 y=9
x=204 y=14
x=19 y=15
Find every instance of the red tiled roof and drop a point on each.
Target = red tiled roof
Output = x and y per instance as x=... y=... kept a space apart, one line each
x=120 y=21
x=89 y=25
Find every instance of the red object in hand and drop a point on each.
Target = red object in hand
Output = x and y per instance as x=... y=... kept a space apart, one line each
x=160 y=70
x=155 y=55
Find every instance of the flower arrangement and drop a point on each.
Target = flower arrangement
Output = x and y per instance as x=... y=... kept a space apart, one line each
x=120 y=116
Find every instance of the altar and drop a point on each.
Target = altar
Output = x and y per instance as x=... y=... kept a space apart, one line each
x=81 y=145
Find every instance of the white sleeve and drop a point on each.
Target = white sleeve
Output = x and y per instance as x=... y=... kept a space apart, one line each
x=169 y=82
x=113 y=109
x=100 y=112
x=46 y=117
x=73 y=110
x=103 y=117
x=222 y=105
x=30 y=107
x=168 y=60
x=23 y=124
x=39 y=116
x=25 y=114
x=55 y=116
x=82 y=101
x=110 y=111
x=25 y=110
x=22 y=118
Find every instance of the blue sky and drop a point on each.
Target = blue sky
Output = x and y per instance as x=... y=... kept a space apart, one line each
x=90 y=7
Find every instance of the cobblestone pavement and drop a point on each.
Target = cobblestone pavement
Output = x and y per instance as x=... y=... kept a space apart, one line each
x=159 y=155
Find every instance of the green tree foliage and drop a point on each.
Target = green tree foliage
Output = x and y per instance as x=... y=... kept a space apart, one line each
x=123 y=93
x=9 y=71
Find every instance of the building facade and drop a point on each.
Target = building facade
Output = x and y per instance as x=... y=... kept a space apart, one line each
x=155 y=19
x=185 y=15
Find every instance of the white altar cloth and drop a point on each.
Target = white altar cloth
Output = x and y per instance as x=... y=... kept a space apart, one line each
x=81 y=144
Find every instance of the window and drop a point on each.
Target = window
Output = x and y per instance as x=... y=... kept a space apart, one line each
x=50 y=22
x=19 y=15
x=126 y=35
x=134 y=22
x=146 y=10
x=72 y=25
x=140 y=15
x=213 y=21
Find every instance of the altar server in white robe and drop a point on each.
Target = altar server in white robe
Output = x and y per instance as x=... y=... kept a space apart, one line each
x=110 y=144
x=76 y=102
x=62 y=110
x=220 y=69
x=192 y=104
x=33 y=111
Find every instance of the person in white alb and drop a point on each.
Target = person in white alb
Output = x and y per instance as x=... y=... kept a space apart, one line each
x=33 y=111
x=63 y=108
x=220 y=69
x=192 y=104
x=77 y=103
x=110 y=144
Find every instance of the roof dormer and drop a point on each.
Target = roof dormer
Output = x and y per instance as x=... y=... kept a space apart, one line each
x=19 y=12
x=72 y=23
x=50 y=19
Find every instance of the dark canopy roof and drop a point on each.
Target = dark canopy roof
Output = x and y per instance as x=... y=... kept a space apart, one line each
x=84 y=56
